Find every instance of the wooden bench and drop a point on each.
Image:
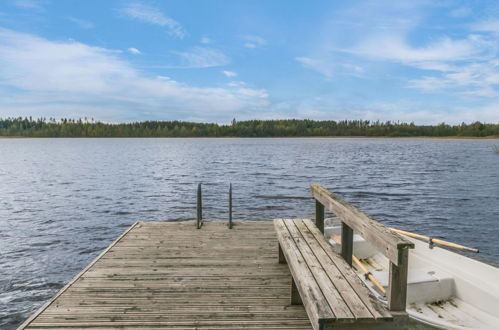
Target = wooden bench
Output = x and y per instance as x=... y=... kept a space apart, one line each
x=331 y=292
x=393 y=246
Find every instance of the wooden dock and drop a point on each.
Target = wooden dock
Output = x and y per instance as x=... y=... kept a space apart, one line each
x=190 y=275
x=172 y=275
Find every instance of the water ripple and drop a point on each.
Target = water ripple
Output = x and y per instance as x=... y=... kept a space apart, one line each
x=62 y=201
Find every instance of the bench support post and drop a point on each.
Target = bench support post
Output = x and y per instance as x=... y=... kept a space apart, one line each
x=282 y=259
x=397 y=285
x=346 y=243
x=295 y=295
x=319 y=216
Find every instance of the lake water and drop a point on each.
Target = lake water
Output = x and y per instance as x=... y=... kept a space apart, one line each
x=62 y=201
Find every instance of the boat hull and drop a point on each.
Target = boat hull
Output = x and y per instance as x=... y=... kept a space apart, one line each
x=445 y=289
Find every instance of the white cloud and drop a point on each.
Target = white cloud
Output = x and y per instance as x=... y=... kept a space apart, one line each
x=252 y=93
x=476 y=79
x=134 y=51
x=252 y=41
x=326 y=68
x=27 y=4
x=236 y=84
x=487 y=26
x=462 y=65
x=205 y=40
x=394 y=47
x=429 y=116
x=429 y=84
x=152 y=15
x=84 y=24
x=46 y=78
x=460 y=12
x=487 y=113
x=468 y=66
x=403 y=111
x=329 y=67
x=72 y=79
x=229 y=74
x=202 y=57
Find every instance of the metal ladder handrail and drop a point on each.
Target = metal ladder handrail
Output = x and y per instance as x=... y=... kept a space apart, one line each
x=199 y=207
x=199 y=221
x=230 y=206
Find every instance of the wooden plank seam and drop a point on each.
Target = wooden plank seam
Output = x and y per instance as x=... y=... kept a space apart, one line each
x=350 y=275
x=70 y=283
x=286 y=224
x=314 y=251
x=282 y=232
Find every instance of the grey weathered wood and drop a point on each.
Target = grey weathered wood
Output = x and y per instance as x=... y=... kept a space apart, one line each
x=316 y=275
x=319 y=216
x=282 y=259
x=344 y=277
x=397 y=282
x=338 y=305
x=68 y=285
x=170 y=275
x=295 y=295
x=375 y=233
x=392 y=245
x=346 y=243
x=315 y=303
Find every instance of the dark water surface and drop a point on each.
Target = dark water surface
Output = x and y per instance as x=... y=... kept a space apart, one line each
x=62 y=201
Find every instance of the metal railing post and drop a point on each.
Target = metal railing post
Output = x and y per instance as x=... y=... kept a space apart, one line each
x=199 y=222
x=230 y=206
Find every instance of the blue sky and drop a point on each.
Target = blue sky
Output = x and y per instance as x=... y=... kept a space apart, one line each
x=421 y=61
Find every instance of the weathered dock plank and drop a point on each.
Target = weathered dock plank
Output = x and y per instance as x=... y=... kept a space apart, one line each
x=172 y=275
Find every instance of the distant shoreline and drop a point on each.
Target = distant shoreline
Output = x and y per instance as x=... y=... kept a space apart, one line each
x=258 y=137
x=284 y=128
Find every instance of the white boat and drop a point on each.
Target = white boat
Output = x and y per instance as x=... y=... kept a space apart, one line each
x=444 y=289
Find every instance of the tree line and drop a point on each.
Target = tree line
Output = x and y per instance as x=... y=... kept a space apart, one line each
x=43 y=127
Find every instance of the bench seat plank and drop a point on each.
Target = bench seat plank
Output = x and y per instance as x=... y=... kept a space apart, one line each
x=377 y=309
x=333 y=267
x=330 y=290
x=313 y=300
x=331 y=294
